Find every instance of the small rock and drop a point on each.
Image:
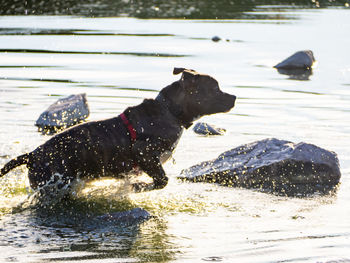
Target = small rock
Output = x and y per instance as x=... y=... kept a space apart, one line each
x=301 y=59
x=213 y=258
x=207 y=129
x=215 y=38
x=64 y=113
x=271 y=165
x=130 y=217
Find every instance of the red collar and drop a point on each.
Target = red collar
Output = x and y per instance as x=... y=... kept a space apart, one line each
x=129 y=126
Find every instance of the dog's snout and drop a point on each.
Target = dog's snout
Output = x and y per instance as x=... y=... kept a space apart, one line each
x=227 y=102
x=233 y=98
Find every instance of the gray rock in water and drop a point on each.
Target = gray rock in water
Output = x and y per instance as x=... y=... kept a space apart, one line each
x=215 y=38
x=130 y=217
x=207 y=129
x=299 y=60
x=64 y=113
x=271 y=165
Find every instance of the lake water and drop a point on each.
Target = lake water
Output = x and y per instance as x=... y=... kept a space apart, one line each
x=119 y=61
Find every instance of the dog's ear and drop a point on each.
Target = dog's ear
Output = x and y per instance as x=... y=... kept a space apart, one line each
x=180 y=70
x=189 y=78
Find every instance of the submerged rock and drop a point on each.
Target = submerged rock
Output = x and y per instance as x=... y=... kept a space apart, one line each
x=271 y=165
x=299 y=60
x=207 y=129
x=130 y=217
x=64 y=113
x=296 y=74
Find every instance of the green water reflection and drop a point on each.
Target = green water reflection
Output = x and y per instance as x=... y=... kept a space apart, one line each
x=70 y=231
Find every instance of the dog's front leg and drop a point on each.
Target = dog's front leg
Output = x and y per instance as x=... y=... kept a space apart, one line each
x=155 y=170
x=148 y=159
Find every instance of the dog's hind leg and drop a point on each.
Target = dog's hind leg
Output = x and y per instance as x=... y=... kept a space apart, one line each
x=49 y=187
x=48 y=175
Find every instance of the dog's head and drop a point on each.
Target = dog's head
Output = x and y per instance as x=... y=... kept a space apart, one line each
x=202 y=95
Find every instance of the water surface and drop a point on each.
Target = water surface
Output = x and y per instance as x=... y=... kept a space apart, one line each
x=120 y=61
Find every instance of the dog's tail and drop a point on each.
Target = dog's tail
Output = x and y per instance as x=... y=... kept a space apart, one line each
x=22 y=159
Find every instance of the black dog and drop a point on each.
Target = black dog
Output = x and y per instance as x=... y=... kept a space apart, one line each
x=142 y=136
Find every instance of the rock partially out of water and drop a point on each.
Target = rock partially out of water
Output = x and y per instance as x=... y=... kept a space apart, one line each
x=299 y=60
x=64 y=113
x=271 y=165
x=207 y=129
x=215 y=38
x=130 y=217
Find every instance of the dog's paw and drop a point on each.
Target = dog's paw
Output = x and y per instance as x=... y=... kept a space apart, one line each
x=142 y=187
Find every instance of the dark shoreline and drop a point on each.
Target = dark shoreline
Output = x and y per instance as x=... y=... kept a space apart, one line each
x=203 y=9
